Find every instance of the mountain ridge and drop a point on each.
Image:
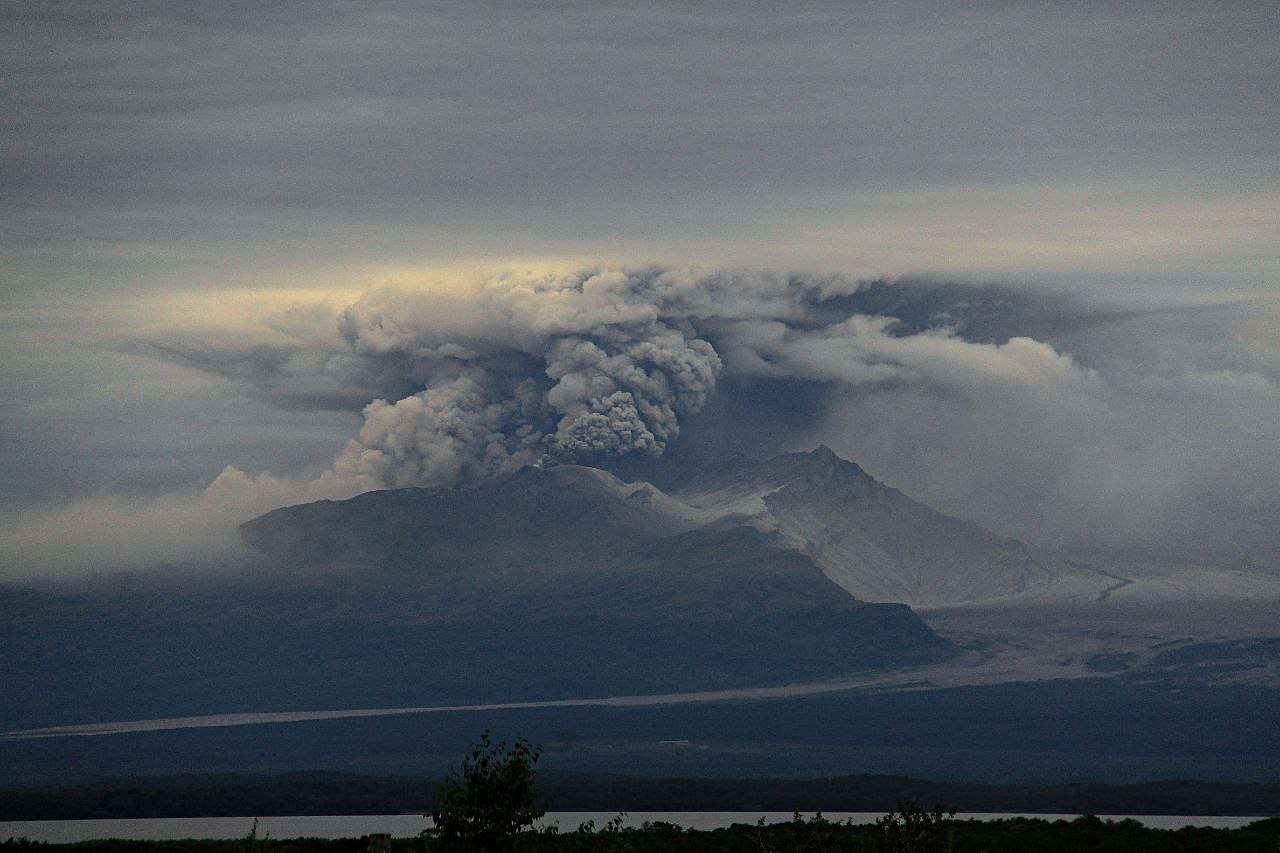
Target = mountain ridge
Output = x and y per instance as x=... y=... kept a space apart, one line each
x=869 y=538
x=546 y=583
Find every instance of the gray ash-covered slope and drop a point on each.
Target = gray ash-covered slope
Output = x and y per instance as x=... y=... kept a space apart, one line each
x=604 y=568
x=872 y=540
x=519 y=524
x=543 y=584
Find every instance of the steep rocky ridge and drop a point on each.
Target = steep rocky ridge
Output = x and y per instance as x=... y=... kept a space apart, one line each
x=872 y=540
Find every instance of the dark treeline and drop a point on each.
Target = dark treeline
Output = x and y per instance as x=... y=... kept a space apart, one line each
x=317 y=793
x=1004 y=836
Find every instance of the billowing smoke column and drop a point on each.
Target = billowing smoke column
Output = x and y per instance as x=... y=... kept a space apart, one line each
x=526 y=371
x=1045 y=417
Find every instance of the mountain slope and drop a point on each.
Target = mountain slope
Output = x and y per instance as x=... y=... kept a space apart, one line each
x=871 y=539
x=544 y=584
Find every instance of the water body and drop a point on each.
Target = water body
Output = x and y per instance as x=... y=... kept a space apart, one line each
x=402 y=826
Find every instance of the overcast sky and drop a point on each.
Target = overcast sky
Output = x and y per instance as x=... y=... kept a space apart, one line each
x=183 y=183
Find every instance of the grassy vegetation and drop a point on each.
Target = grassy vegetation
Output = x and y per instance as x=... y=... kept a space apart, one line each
x=492 y=802
x=1014 y=836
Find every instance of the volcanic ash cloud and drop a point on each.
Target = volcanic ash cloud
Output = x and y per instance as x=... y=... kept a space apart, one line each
x=526 y=371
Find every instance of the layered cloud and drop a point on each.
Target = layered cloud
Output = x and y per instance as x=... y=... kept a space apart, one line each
x=608 y=363
x=1037 y=415
x=169 y=142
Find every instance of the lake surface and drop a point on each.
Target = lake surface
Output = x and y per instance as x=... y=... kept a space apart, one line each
x=400 y=826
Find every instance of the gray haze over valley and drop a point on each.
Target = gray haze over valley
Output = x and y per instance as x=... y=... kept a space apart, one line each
x=564 y=587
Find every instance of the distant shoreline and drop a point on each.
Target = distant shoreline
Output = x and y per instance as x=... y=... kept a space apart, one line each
x=197 y=796
x=334 y=827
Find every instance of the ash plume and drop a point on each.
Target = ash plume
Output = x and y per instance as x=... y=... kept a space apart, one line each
x=1052 y=418
x=602 y=365
x=526 y=371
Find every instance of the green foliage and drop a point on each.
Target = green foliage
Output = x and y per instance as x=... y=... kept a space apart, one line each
x=490 y=801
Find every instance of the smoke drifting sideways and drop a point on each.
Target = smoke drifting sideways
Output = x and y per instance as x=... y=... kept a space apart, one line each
x=606 y=365
x=1031 y=413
